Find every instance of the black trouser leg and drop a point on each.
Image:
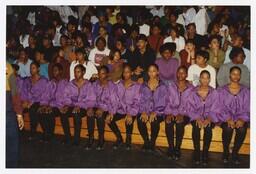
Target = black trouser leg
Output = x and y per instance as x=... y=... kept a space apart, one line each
x=227 y=133
x=179 y=134
x=113 y=125
x=196 y=141
x=101 y=126
x=155 y=127
x=239 y=139
x=207 y=141
x=77 y=127
x=169 y=130
x=66 y=127
x=34 y=120
x=142 y=129
x=129 y=129
x=90 y=126
x=51 y=125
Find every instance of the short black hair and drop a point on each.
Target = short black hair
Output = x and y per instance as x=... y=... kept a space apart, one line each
x=81 y=67
x=15 y=67
x=104 y=67
x=175 y=14
x=142 y=37
x=212 y=37
x=101 y=39
x=205 y=72
x=235 y=52
x=171 y=46
x=183 y=67
x=156 y=25
x=235 y=68
x=191 y=24
x=122 y=40
x=80 y=50
x=203 y=53
x=58 y=65
x=35 y=63
x=154 y=65
x=190 y=41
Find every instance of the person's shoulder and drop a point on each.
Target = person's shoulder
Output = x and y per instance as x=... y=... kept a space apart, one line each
x=194 y=66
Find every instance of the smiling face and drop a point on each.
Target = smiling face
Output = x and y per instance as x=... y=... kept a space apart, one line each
x=34 y=70
x=78 y=73
x=200 y=60
x=235 y=75
x=181 y=74
x=215 y=44
x=141 y=44
x=103 y=75
x=153 y=72
x=127 y=73
x=56 y=72
x=204 y=79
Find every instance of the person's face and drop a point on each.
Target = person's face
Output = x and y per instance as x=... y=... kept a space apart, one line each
x=167 y=54
x=51 y=32
x=46 y=42
x=101 y=45
x=33 y=69
x=79 y=42
x=239 y=59
x=37 y=56
x=152 y=72
x=31 y=40
x=173 y=33
x=204 y=79
x=166 y=11
x=56 y=72
x=173 y=18
x=190 y=46
x=79 y=56
x=102 y=31
x=116 y=56
x=63 y=41
x=78 y=73
x=23 y=55
x=118 y=19
x=216 y=28
x=214 y=44
x=191 y=30
x=200 y=60
x=102 y=18
x=141 y=44
x=61 y=53
x=127 y=73
x=181 y=74
x=119 y=45
x=134 y=34
x=237 y=42
x=102 y=75
x=235 y=76
x=71 y=28
x=156 y=31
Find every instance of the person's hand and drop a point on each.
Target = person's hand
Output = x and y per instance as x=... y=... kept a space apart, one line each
x=48 y=110
x=76 y=110
x=144 y=117
x=25 y=105
x=239 y=123
x=179 y=118
x=207 y=122
x=20 y=121
x=187 y=49
x=90 y=112
x=231 y=123
x=128 y=119
x=152 y=117
x=109 y=118
x=169 y=118
x=199 y=123
x=99 y=112
x=64 y=110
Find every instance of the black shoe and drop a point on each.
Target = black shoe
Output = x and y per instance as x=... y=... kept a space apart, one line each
x=205 y=158
x=152 y=147
x=225 y=157
x=128 y=142
x=196 y=157
x=235 y=159
x=100 y=146
x=177 y=154
x=118 y=143
x=145 y=146
x=76 y=143
x=171 y=154
x=89 y=143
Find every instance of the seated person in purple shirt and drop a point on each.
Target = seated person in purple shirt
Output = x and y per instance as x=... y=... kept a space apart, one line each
x=51 y=101
x=78 y=100
x=204 y=112
x=104 y=90
x=167 y=64
x=175 y=111
x=32 y=91
x=126 y=106
x=235 y=115
x=152 y=106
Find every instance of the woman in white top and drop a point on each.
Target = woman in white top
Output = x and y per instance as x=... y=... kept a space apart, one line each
x=99 y=52
x=175 y=38
x=91 y=70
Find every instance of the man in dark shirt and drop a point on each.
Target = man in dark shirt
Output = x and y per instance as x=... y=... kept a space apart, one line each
x=199 y=40
x=142 y=58
x=172 y=23
x=48 y=48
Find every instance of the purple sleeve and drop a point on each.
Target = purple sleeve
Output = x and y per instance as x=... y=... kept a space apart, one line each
x=66 y=101
x=193 y=107
x=113 y=100
x=160 y=100
x=87 y=97
x=173 y=101
x=46 y=97
x=215 y=110
x=244 y=112
x=24 y=90
x=144 y=100
x=133 y=109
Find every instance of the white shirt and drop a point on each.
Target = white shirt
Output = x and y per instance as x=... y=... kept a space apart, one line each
x=180 y=42
x=32 y=18
x=24 y=69
x=247 y=60
x=157 y=12
x=189 y=16
x=90 y=69
x=194 y=74
x=24 y=40
x=145 y=29
x=202 y=21
x=64 y=11
x=96 y=55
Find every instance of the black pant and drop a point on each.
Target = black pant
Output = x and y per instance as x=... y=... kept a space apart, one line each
x=47 y=122
x=100 y=121
x=77 y=124
x=155 y=127
x=206 y=139
x=115 y=129
x=227 y=133
x=169 y=130
x=34 y=117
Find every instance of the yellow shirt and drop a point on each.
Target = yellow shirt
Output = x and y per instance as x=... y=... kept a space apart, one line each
x=9 y=72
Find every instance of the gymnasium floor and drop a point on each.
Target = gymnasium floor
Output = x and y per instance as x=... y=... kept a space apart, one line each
x=36 y=154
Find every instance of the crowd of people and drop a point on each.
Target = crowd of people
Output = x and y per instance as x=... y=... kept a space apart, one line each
x=180 y=65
